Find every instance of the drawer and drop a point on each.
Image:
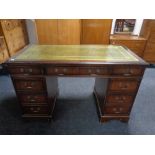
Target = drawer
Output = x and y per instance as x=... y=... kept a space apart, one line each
x=62 y=71
x=137 y=49
x=29 y=84
x=116 y=110
x=150 y=47
x=30 y=99
x=139 y=45
x=93 y=71
x=119 y=99
x=127 y=71
x=36 y=109
x=123 y=85
x=28 y=70
x=138 y=52
x=127 y=43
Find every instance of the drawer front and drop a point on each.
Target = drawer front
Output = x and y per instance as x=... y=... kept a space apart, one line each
x=29 y=85
x=62 y=71
x=150 y=47
x=36 y=109
x=28 y=70
x=117 y=110
x=127 y=43
x=128 y=71
x=137 y=51
x=137 y=46
x=119 y=99
x=30 y=99
x=123 y=85
x=93 y=71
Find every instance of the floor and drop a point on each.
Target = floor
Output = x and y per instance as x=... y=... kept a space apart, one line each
x=76 y=113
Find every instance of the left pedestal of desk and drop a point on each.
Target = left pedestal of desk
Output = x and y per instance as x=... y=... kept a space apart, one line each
x=35 y=91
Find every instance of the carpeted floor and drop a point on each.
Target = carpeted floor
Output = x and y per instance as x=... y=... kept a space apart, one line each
x=75 y=111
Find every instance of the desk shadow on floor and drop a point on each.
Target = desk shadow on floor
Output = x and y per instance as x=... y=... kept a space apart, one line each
x=9 y=107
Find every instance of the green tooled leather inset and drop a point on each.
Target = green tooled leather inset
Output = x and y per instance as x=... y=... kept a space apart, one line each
x=107 y=53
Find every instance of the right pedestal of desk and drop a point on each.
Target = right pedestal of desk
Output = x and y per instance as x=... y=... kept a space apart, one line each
x=115 y=95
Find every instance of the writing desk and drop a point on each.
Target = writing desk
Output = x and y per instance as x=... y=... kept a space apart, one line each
x=35 y=69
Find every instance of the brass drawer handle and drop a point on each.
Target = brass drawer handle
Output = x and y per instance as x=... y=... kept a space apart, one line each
x=117 y=111
x=123 y=85
x=131 y=71
x=120 y=99
x=61 y=74
x=21 y=70
x=55 y=70
x=98 y=70
x=32 y=83
x=127 y=74
x=89 y=70
x=37 y=110
x=65 y=69
x=31 y=98
x=29 y=87
x=30 y=70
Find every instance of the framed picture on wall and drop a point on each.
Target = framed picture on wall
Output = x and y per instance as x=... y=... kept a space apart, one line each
x=124 y=26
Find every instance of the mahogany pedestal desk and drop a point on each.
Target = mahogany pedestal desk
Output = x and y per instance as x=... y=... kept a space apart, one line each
x=35 y=70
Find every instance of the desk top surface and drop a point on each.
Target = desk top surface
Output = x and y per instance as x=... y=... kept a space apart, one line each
x=81 y=53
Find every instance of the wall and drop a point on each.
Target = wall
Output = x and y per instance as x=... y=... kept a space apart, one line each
x=31 y=27
x=138 y=26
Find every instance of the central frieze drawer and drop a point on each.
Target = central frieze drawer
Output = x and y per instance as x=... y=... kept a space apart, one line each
x=29 y=98
x=62 y=70
x=127 y=71
x=27 y=70
x=93 y=71
x=123 y=85
x=32 y=84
